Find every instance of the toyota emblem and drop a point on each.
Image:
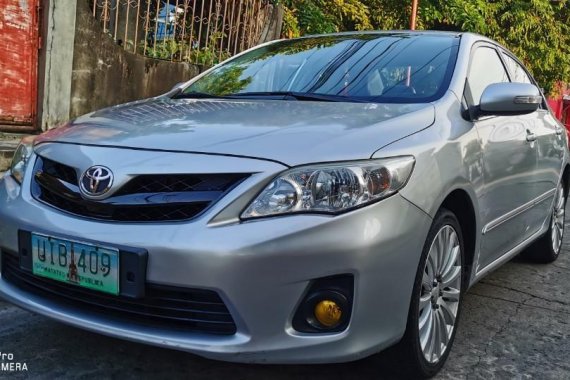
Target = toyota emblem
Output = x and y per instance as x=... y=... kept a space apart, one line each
x=96 y=181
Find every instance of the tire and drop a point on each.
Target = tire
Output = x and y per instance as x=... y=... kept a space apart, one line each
x=547 y=248
x=414 y=347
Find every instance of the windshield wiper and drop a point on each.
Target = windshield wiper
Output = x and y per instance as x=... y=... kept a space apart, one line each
x=302 y=96
x=198 y=95
x=284 y=95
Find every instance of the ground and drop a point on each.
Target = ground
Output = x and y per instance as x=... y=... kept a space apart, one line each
x=515 y=325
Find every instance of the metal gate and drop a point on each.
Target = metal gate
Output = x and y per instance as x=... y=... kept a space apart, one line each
x=202 y=32
x=19 y=43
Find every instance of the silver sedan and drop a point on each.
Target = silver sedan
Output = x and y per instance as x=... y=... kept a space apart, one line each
x=307 y=201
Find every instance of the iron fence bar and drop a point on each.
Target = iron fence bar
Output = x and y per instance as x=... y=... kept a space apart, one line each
x=155 y=27
x=184 y=20
x=256 y=18
x=215 y=34
x=230 y=30
x=105 y=15
x=218 y=10
x=245 y=22
x=190 y=46
x=146 y=26
x=135 y=40
x=128 y=4
x=166 y=34
x=175 y=28
x=223 y=31
x=200 y=28
x=116 y=19
x=238 y=26
x=208 y=25
x=259 y=21
x=244 y=25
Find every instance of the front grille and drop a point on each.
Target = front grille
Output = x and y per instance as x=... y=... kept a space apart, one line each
x=145 y=198
x=194 y=310
x=142 y=213
x=57 y=170
x=176 y=183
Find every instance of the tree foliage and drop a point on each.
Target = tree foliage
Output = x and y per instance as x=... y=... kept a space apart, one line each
x=537 y=31
x=325 y=16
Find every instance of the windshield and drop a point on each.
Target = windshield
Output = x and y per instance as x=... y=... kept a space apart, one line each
x=397 y=67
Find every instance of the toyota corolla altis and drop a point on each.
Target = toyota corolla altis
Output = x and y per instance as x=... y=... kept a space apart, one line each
x=308 y=201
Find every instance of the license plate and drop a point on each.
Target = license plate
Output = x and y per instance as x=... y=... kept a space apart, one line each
x=81 y=264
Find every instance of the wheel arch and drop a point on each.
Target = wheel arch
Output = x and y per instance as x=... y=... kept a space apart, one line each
x=460 y=202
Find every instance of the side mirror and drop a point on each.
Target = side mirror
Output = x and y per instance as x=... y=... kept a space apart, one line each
x=510 y=99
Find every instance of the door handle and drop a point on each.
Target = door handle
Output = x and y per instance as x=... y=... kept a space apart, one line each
x=530 y=137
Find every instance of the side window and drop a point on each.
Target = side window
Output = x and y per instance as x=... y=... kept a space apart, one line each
x=486 y=68
x=519 y=75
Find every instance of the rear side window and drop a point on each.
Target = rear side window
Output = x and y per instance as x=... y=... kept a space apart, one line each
x=486 y=68
x=518 y=73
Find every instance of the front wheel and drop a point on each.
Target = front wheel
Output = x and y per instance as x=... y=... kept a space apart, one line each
x=436 y=299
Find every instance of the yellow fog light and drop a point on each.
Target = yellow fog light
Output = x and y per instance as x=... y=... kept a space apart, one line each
x=328 y=313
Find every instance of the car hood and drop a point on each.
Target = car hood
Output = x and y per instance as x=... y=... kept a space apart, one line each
x=290 y=132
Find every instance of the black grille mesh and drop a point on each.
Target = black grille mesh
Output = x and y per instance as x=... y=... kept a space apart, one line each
x=162 y=213
x=61 y=171
x=179 y=183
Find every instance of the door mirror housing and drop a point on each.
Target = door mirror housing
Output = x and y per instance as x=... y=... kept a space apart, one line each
x=509 y=99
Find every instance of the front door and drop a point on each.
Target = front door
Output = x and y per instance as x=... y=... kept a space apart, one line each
x=550 y=140
x=18 y=64
x=510 y=163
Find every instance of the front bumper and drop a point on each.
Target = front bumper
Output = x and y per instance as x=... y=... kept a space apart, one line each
x=261 y=269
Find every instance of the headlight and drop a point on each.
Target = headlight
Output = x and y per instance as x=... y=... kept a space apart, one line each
x=20 y=160
x=331 y=188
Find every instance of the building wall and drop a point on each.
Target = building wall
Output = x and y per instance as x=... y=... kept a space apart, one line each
x=58 y=61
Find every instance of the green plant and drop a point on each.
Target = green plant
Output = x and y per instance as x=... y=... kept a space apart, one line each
x=163 y=49
x=210 y=55
x=180 y=50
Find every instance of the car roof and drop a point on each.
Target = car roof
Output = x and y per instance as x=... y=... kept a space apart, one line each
x=387 y=32
x=444 y=33
x=467 y=37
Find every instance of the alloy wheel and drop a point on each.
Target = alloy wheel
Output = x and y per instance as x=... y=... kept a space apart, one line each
x=557 y=223
x=440 y=294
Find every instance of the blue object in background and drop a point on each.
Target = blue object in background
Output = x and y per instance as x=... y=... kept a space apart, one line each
x=165 y=22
